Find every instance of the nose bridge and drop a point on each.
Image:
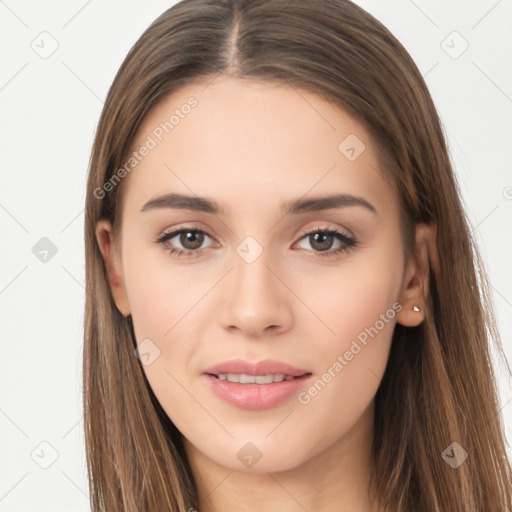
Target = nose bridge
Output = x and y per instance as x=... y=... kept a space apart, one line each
x=253 y=279
x=256 y=297
x=252 y=267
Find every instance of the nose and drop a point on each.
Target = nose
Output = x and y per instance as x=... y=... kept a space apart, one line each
x=255 y=300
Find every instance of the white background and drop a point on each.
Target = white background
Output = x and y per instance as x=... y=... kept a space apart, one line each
x=48 y=113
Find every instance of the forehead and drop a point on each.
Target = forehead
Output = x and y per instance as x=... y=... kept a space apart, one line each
x=265 y=139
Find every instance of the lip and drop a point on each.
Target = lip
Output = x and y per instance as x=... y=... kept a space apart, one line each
x=265 y=367
x=255 y=397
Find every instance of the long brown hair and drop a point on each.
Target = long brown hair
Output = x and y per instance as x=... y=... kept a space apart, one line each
x=439 y=386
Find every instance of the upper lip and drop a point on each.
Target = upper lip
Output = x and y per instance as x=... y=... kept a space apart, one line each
x=264 y=367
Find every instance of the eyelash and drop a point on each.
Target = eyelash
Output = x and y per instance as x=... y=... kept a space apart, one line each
x=349 y=242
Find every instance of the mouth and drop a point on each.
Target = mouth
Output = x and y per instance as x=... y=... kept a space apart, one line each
x=255 y=386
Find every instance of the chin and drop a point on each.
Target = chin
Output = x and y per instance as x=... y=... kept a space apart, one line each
x=253 y=457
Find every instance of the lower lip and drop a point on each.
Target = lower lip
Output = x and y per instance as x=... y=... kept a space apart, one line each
x=255 y=397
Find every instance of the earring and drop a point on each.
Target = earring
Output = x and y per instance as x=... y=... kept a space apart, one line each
x=416 y=308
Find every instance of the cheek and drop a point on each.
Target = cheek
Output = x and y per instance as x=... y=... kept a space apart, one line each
x=351 y=359
x=357 y=306
x=346 y=301
x=161 y=293
x=168 y=304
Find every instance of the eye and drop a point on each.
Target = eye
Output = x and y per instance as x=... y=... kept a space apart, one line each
x=322 y=239
x=190 y=238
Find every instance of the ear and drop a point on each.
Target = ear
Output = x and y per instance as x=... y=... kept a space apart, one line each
x=415 y=287
x=113 y=265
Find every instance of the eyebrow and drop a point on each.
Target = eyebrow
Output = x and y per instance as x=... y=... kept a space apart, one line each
x=203 y=204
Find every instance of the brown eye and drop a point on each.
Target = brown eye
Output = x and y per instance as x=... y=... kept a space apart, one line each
x=191 y=240
x=321 y=240
x=188 y=241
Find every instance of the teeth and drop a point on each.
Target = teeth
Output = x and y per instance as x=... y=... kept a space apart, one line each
x=254 y=379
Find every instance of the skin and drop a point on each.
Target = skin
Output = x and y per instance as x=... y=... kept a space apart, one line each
x=250 y=147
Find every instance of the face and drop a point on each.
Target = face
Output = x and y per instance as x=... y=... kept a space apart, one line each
x=275 y=273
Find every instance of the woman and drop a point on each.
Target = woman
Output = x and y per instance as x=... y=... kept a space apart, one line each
x=285 y=306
